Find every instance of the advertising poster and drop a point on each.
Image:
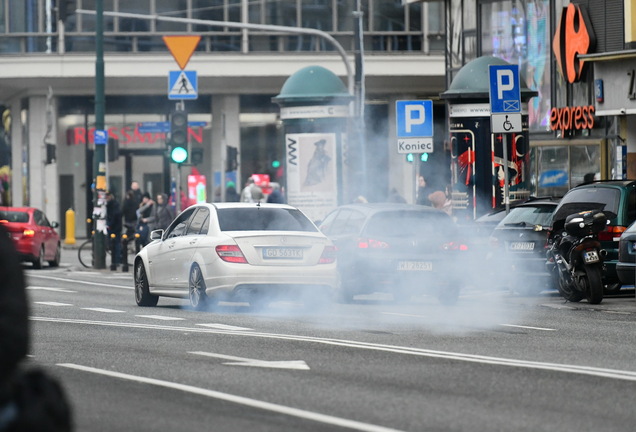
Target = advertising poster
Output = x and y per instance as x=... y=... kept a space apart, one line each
x=311 y=173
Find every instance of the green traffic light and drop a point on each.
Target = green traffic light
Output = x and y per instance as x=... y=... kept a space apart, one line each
x=275 y=164
x=178 y=154
x=409 y=157
x=424 y=157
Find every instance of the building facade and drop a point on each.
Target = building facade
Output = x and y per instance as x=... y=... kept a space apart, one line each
x=47 y=89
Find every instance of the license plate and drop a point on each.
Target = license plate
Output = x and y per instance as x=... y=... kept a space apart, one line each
x=282 y=252
x=590 y=256
x=522 y=246
x=415 y=266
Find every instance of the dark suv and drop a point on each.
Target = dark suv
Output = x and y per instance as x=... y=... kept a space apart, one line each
x=616 y=198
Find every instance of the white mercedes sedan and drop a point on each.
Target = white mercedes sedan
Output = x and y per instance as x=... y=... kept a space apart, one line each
x=247 y=252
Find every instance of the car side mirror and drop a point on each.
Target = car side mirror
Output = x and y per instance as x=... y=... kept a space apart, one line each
x=55 y=224
x=156 y=234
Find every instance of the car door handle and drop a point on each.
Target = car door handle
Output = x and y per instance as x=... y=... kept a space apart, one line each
x=193 y=241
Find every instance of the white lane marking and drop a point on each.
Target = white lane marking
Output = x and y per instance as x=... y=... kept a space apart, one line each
x=505 y=325
x=528 y=327
x=53 y=303
x=241 y=361
x=81 y=282
x=557 y=306
x=161 y=317
x=41 y=288
x=254 y=403
x=567 y=368
x=224 y=327
x=104 y=310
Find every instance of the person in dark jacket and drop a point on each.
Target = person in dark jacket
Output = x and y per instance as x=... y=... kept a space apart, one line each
x=143 y=213
x=129 y=212
x=14 y=322
x=276 y=196
x=162 y=214
x=114 y=226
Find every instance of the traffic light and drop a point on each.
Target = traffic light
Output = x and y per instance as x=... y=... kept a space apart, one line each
x=232 y=159
x=410 y=157
x=196 y=155
x=179 y=136
x=113 y=149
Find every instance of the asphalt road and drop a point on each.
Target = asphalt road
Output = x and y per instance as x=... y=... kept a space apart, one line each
x=493 y=362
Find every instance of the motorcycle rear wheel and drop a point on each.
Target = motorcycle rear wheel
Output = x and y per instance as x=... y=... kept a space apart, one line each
x=569 y=291
x=594 y=282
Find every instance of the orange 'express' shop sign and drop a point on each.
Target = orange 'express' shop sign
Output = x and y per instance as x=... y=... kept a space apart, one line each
x=572 y=118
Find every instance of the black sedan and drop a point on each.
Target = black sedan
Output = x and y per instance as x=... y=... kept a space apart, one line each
x=518 y=247
x=626 y=266
x=402 y=249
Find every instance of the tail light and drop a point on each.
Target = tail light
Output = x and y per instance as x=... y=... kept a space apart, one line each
x=231 y=253
x=328 y=255
x=455 y=246
x=611 y=233
x=372 y=244
x=28 y=233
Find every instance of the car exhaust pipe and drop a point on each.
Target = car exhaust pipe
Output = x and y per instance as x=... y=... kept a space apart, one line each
x=603 y=253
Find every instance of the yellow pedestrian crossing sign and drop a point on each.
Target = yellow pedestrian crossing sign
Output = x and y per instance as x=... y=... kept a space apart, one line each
x=182 y=85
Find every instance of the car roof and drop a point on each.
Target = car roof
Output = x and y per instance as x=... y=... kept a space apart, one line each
x=369 y=208
x=226 y=205
x=18 y=209
x=601 y=183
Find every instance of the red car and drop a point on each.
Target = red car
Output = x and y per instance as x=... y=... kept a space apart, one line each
x=34 y=236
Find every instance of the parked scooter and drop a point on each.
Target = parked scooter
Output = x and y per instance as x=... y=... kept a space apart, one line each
x=575 y=257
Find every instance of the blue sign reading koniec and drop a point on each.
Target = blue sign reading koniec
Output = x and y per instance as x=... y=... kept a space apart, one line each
x=505 y=94
x=414 y=118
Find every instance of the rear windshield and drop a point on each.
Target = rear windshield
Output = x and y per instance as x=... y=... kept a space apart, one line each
x=409 y=224
x=529 y=216
x=264 y=219
x=13 y=216
x=578 y=200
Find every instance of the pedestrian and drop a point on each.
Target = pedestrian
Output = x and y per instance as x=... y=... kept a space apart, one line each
x=423 y=191
x=231 y=195
x=143 y=213
x=162 y=214
x=276 y=196
x=395 y=197
x=129 y=212
x=14 y=322
x=114 y=228
x=251 y=192
x=30 y=399
x=137 y=193
x=439 y=200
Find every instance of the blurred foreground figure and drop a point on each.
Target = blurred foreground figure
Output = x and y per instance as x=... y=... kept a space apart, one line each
x=30 y=400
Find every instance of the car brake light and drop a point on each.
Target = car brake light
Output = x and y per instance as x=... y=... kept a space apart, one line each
x=231 y=253
x=372 y=244
x=454 y=246
x=611 y=233
x=328 y=255
x=28 y=233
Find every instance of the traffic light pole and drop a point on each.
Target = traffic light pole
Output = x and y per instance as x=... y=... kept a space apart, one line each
x=99 y=155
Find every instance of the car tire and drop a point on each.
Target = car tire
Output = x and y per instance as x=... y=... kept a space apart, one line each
x=38 y=262
x=449 y=295
x=56 y=260
x=196 y=288
x=142 y=291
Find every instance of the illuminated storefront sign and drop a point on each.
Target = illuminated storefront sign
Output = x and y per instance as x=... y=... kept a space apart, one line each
x=129 y=136
x=572 y=118
x=573 y=37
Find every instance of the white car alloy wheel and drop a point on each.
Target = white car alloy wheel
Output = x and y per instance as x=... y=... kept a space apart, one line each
x=196 y=288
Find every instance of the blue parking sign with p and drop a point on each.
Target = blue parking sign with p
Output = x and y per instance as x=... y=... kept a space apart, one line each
x=505 y=94
x=414 y=118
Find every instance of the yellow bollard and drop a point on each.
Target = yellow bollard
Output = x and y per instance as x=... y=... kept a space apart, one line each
x=70 y=227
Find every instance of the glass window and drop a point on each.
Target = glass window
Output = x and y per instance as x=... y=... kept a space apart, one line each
x=179 y=225
x=172 y=9
x=529 y=216
x=263 y=219
x=408 y=224
x=519 y=32
x=11 y=216
x=199 y=220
